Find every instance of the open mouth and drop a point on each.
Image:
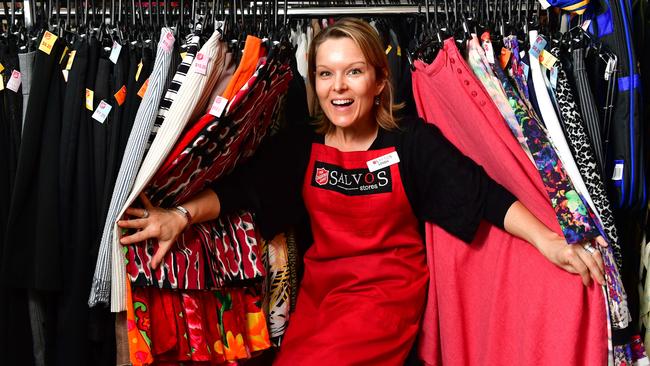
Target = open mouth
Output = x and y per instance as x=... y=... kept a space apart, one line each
x=342 y=102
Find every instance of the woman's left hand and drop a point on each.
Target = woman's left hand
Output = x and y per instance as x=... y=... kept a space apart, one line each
x=153 y=223
x=583 y=259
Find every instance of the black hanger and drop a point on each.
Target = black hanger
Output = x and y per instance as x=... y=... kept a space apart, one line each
x=431 y=41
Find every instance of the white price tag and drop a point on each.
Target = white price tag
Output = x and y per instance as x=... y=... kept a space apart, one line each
x=168 y=42
x=218 y=106
x=102 y=111
x=201 y=63
x=489 y=51
x=383 y=161
x=115 y=52
x=618 y=171
x=14 y=82
x=554 y=77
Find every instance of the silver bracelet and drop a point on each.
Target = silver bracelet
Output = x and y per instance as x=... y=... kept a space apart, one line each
x=183 y=211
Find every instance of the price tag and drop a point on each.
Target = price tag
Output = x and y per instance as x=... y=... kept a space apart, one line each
x=2 y=84
x=547 y=59
x=137 y=73
x=2 y=68
x=70 y=60
x=65 y=73
x=168 y=42
x=218 y=106
x=14 y=82
x=201 y=63
x=399 y=51
x=537 y=47
x=554 y=77
x=489 y=51
x=183 y=54
x=89 y=99
x=618 y=170
x=120 y=96
x=388 y=49
x=504 y=58
x=102 y=111
x=65 y=52
x=47 y=42
x=115 y=52
x=143 y=89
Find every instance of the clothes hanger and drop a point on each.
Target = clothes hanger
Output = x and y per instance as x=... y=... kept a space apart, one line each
x=432 y=41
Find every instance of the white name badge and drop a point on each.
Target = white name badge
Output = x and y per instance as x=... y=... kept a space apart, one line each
x=383 y=161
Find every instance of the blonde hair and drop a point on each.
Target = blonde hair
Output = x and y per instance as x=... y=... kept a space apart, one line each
x=367 y=39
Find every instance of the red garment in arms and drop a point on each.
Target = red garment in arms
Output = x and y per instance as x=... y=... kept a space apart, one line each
x=363 y=291
x=498 y=301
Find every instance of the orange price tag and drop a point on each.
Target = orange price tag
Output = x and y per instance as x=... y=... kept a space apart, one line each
x=120 y=96
x=143 y=89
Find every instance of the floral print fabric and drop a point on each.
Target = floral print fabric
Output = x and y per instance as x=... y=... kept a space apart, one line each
x=571 y=212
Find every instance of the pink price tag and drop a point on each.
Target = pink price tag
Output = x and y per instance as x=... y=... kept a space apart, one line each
x=168 y=42
x=14 y=82
x=201 y=63
x=218 y=106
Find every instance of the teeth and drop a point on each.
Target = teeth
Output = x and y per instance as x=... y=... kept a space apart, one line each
x=342 y=101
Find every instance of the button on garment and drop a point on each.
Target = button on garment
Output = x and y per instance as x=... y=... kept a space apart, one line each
x=365 y=277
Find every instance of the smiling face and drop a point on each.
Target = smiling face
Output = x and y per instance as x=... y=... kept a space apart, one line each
x=346 y=84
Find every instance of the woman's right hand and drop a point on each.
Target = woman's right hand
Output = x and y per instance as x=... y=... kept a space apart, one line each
x=154 y=223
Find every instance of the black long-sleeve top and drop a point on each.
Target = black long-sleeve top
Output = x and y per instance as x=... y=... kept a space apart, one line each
x=443 y=186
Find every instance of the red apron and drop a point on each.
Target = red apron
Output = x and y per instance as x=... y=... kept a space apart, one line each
x=364 y=287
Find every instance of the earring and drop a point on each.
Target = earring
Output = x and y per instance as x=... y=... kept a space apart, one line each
x=377 y=100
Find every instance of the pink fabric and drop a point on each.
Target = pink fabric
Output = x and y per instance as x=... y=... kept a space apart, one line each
x=497 y=301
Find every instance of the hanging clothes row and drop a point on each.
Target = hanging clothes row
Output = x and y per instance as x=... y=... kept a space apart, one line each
x=534 y=99
x=92 y=120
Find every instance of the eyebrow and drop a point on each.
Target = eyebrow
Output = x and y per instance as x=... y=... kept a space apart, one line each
x=354 y=63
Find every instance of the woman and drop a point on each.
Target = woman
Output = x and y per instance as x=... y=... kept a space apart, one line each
x=366 y=183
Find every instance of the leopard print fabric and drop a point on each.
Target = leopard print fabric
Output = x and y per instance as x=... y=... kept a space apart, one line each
x=584 y=155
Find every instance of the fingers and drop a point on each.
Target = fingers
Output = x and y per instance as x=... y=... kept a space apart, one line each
x=601 y=241
x=598 y=257
x=133 y=224
x=589 y=260
x=137 y=237
x=137 y=212
x=145 y=201
x=579 y=267
x=163 y=248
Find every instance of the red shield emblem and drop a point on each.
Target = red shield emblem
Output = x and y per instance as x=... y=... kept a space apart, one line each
x=322 y=176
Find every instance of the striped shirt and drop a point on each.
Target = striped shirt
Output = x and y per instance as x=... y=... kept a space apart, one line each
x=133 y=155
x=179 y=78
x=191 y=99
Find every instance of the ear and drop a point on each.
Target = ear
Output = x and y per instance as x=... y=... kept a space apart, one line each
x=380 y=87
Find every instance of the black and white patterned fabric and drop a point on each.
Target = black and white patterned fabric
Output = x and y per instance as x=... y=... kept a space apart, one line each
x=583 y=153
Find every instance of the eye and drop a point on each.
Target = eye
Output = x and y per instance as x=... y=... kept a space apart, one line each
x=324 y=74
x=355 y=72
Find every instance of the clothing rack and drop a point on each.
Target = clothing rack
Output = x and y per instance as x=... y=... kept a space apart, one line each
x=315 y=11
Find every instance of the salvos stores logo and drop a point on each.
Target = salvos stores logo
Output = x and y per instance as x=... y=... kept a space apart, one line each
x=353 y=182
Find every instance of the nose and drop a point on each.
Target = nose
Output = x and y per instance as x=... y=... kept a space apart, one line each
x=339 y=83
